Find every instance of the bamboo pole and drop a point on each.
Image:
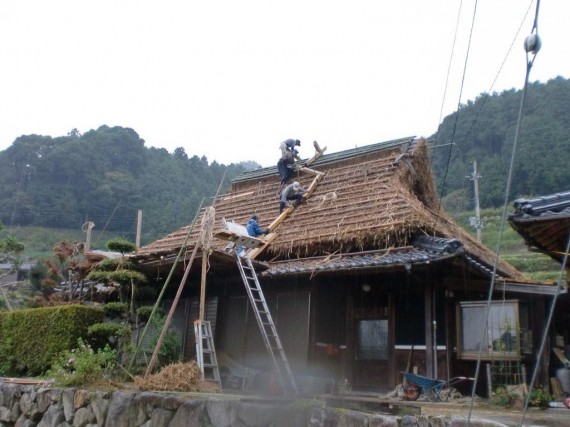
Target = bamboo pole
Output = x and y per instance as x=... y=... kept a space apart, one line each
x=163 y=290
x=170 y=314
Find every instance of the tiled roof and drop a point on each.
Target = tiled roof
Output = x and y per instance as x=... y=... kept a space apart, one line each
x=425 y=251
x=403 y=257
x=552 y=205
x=544 y=223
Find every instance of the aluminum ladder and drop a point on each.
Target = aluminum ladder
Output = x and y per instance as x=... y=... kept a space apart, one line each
x=265 y=322
x=206 y=353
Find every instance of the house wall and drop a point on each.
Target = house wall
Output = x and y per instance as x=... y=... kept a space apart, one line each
x=239 y=335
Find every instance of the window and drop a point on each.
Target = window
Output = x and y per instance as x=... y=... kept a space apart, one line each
x=502 y=339
x=372 y=339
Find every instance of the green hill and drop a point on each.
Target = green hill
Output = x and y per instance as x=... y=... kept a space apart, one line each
x=483 y=130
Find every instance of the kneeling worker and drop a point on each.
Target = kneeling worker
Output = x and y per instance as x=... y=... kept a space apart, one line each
x=253 y=228
x=293 y=192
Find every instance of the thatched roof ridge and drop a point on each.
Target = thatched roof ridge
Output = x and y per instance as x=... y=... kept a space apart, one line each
x=368 y=199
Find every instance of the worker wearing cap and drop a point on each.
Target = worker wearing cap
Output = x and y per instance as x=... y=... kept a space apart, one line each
x=253 y=228
x=288 y=156
x=289 y=146
x=293 y=192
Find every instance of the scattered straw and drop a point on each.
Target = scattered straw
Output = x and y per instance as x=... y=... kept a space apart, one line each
x=176 y=377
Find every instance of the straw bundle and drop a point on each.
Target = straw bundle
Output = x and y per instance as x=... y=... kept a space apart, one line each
x=176 y=377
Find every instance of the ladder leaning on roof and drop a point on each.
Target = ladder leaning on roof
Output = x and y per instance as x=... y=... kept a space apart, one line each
x=265 y=322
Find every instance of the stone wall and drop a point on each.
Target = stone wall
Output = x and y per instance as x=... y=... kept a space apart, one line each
x=34 y=406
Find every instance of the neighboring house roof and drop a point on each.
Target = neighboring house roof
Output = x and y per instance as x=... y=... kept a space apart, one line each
x=544 y=223
x=372 y=198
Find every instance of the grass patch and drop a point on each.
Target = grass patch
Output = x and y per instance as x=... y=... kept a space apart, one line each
x=39 y=241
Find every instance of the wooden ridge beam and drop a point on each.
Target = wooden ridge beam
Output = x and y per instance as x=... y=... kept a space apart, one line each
x=318 y=153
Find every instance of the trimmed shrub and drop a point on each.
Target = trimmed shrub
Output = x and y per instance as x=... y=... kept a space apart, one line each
x=145 y=311
x=108 y=334
x=30 y=340
x=116 y=310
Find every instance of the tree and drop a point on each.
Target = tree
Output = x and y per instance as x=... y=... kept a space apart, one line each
x=120 y=272
x=11 y=251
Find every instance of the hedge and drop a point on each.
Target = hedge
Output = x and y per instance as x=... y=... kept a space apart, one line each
x=30 y=340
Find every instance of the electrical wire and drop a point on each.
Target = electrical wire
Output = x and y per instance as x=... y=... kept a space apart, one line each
x=487 y=95
x=449 y=64
x=456 y=115
x=529 y=64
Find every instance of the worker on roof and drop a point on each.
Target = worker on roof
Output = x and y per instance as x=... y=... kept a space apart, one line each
x=292 y=193
x=288 y=156
x=253 y=228
x=289 y=146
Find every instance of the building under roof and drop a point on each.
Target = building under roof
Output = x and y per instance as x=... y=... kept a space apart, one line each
x=358 y=275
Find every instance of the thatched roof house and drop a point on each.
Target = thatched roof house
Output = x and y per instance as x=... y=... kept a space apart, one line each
x=364 y=268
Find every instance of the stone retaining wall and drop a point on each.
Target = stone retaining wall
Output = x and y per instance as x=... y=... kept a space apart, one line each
x=34 y=406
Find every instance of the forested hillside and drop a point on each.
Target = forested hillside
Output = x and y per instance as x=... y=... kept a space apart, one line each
x=105 y=176
x=485 y=132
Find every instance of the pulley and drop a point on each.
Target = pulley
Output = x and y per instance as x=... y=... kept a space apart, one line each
x=532 y=44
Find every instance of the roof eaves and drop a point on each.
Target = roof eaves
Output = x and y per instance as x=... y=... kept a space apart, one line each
x=551 y=203
x=404 y=258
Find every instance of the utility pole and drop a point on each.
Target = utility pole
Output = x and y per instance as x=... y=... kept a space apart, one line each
x=476 y=221
x=86 y=228
x=139 y=225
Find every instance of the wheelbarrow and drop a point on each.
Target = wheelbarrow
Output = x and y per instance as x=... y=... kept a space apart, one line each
x=432 y=388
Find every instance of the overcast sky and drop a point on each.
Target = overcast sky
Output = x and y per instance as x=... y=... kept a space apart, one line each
x=232 y=79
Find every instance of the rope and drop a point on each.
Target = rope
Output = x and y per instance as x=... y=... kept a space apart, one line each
x=207 y=235
x=530 y=61
x=331 y=196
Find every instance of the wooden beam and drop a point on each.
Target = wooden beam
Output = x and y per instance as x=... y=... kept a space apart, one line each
x=318 y=153
x=309 y=171
x=268 y=239
x=203 y=284
x=272 y=236
x=428 y=330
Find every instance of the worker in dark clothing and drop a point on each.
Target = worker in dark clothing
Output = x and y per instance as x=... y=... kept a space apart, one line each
x=289 y=145
x=253 y=228
x=288 y=156
x=293 y=192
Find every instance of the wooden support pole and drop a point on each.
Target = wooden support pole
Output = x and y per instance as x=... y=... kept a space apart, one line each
x=428 y=318
x=203 y=284
x=170 y=314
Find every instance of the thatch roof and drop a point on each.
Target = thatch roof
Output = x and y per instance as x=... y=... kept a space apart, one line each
x=370 y=198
